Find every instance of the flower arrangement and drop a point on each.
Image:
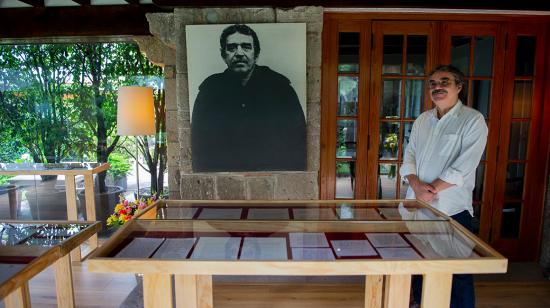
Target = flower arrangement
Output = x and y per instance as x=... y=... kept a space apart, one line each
x=126 y=210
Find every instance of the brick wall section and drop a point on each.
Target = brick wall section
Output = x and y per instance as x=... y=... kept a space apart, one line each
x=168 y=30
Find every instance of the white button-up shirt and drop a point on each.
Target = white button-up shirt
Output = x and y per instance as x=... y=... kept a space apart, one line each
x=449 y=148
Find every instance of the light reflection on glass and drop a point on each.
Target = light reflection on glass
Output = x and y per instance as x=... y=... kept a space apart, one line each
x=36 y=234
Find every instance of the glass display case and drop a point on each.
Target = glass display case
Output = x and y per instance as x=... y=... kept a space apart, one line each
x=69 y=170
x=386 y=241
x=29 y=247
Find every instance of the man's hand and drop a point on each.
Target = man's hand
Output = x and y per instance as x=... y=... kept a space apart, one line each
x=423 y=191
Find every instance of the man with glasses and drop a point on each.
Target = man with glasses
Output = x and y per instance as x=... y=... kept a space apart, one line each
x=247 y=118
x=444 y=150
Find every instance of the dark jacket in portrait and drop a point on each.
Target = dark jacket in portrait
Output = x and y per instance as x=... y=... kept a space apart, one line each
x=256 y=127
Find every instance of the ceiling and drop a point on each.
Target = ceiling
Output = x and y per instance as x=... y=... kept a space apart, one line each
x=20 y=19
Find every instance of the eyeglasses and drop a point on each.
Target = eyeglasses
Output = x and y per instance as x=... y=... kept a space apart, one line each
x=234 y=46
x=442 y=83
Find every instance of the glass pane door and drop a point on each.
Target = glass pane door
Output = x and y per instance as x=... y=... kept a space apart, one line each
x=475 y=48
x=515 y=231
x=344 y=109
x=401 y=63
x=346 y=117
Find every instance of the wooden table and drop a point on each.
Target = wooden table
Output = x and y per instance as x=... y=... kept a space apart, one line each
x=28 y=247
x=386 y=242
x=70 y=171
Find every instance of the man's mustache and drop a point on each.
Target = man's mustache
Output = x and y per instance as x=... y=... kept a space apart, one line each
x=438 y=91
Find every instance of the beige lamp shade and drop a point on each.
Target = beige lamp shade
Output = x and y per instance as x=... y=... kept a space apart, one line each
x=135 y=111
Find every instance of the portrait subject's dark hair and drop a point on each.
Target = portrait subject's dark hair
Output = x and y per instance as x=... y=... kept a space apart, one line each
x=458 y=75
x=242 y=29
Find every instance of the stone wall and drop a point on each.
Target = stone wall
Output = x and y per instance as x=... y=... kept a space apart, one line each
x=169 y=28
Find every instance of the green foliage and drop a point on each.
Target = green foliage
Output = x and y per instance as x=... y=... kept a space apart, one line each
x=5 y=179
x=342 y=169
x=120 y=165
x=58 y=101
x=35 y=81
x=11 y=149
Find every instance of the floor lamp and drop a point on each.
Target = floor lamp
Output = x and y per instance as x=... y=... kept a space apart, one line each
x=135 y=116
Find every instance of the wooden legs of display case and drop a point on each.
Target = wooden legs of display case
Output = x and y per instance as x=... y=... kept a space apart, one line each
x=64 y=282
x=192 y=291
x=90 y=207
x=373 y=291
x=157 y=290
x=436 y=291
x=391 y=291
x=19 y=298
x=72 y=212
x=397 y=290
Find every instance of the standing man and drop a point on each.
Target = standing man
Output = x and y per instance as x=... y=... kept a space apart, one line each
x=247 y=118
x=440 y=162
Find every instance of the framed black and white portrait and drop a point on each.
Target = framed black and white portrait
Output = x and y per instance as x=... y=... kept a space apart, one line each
x=247 y=96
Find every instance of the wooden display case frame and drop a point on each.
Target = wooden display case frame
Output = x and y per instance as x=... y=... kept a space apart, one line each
x=387 y=281
x=15 y=290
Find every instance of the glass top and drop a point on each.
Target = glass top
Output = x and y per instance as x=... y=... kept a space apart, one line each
x=295 y=240
x=15 y=234
x=307 y=210
x=51 y=166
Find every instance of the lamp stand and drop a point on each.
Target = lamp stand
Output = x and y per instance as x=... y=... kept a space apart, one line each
x=137 y=167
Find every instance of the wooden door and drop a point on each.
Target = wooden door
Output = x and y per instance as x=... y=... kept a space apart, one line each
x=402 y=57
x=374 y=74
x=477 y=49
x=344 y=120
x=364 y=128
x=517 y=209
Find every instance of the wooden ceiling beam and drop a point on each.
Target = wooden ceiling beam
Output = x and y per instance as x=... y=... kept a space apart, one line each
x=92 y=20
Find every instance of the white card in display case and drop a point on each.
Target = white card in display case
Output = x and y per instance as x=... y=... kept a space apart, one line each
x=174 y=248
x=386 y=240
x=140 y=247
x=442 y=245
x=217 y=248
x=349 y=248
x=398 y=253
x=300 y=239
x=264 y=248
x=312 y=254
